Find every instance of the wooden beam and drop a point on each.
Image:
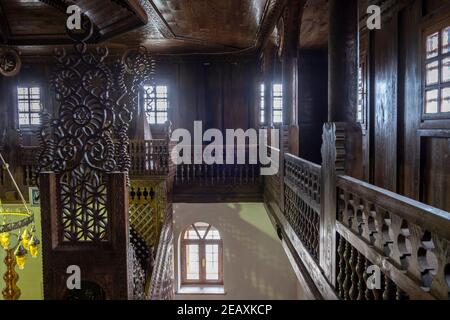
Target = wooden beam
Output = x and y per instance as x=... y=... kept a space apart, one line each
x=137 y=8
x=156 y=17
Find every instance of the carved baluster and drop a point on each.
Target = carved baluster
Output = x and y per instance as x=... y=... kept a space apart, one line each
x=342 y=266
x=360 y=272
x=390 y=289
x=354 y=281
x=348 y=271
x=378 y=293
x=368 y=293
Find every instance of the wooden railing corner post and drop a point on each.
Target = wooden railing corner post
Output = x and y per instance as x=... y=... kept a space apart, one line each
x=330 y=152
x=341 y=154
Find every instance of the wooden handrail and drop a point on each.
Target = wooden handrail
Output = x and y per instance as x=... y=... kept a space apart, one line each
x=360 y=228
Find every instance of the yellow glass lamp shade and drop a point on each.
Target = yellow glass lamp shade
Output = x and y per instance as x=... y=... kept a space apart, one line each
x=26 y=239
x=34 y=246
x=21 y=254
x=4 y=240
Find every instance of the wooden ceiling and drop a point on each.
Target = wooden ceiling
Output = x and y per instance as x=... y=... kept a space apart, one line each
x=163 y=26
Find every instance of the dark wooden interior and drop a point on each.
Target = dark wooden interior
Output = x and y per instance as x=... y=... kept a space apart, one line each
x=213 y=55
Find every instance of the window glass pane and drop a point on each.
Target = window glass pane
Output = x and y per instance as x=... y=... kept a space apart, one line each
x=277 y=104
x=445 y=97
x=152 y=118
x=277 y=117
x=432 y=73
x=161 y=105
x=262 y=103
x=212 y=261
x=446 y=40
x=433 y=45
x=24 y=119
x=22 y=91
x=35 y=93
x=213 y=234
x=446 y=70
x=161 y=118
x=161 y=91
x=191 y=234
x=192 y=262
x=35 y=119
x=431 y=101
x=23 y=106
x=35 y=106
x=277 y=89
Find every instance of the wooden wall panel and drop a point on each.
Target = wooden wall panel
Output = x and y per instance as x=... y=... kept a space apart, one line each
x=385 y=91
x=313 y=102
x=410 y=102
x=436 y=172
x=221 y=94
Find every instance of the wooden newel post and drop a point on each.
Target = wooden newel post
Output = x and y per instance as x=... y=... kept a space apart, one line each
x=341 y=155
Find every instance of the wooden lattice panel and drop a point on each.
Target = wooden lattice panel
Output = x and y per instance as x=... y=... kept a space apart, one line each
x=147 y=208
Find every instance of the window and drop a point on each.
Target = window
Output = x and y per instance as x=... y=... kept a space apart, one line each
x=437 y=72
x=156 y=104
x=29 y=106
x=262 y=106
x=362 y=95
x=201 y=254
x=277 y=111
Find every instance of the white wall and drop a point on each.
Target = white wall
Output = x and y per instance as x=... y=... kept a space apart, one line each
x=255 y=265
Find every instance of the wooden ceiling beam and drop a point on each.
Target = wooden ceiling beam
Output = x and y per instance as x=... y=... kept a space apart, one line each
x=137 y=8
x=156 y=17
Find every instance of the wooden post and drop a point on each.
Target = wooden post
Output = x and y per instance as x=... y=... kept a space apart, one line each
x=341 y=154
x=104 y=263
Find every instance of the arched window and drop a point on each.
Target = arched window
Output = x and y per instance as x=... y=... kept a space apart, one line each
x=201 y=255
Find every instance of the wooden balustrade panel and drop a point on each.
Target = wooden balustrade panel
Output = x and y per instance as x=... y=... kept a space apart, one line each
x=353 y=278
x=408 y=240
x=150 y=157
x=302 y=201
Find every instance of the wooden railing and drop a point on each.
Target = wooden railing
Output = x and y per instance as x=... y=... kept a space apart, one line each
x=409 y=239
x=219 y=174
x=230 y=181
x=351 y=240
x=150 y=157
x=302 y=201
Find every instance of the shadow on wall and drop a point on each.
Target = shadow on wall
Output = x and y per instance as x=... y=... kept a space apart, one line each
x=255 y=265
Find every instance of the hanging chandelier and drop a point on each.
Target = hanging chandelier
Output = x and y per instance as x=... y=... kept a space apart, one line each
x=17 y=237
